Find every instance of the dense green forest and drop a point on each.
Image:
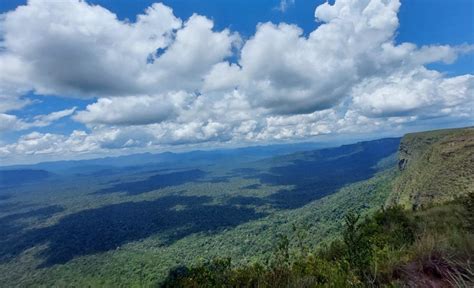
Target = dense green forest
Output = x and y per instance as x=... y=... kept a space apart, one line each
x=392 y=247
x=334 y=217
x=419 y=240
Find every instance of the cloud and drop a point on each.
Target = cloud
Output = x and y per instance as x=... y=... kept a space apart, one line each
x=162 y=81
x=45 y=120
x=71 y=48
x=12 y=81
x=133 y=110
x=419 y=92
x=8 y=122
x=288 y=73
x=12 y=123
x=284 y=5
x=37 y=143
x=194 y=51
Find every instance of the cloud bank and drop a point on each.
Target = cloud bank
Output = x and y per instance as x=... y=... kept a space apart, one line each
x=162 y=80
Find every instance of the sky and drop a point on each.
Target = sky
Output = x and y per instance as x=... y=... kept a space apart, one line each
x=81 y=79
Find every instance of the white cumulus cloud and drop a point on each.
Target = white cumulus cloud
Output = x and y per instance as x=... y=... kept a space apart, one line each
x=163 y=81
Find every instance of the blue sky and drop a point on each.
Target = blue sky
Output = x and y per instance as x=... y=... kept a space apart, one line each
x=422 y=22
x=446 y=26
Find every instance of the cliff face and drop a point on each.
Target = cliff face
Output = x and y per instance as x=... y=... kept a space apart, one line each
x=435 y=166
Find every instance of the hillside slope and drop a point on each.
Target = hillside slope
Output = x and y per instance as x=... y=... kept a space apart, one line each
x=129 y=228
x=435 y=167
x=431 y=246
x=137 y=229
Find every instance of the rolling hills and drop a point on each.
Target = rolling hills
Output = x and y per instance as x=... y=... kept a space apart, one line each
x=430 y=244
x=129 y=225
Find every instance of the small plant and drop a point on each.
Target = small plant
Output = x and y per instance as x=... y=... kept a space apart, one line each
x=391 y=247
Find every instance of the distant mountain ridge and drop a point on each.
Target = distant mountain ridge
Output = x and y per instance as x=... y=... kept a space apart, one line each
x=160 y=209
x=22 y=176
x=423 y=237
x=197 y=157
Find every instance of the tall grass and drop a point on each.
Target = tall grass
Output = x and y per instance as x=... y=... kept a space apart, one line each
x=392 y=247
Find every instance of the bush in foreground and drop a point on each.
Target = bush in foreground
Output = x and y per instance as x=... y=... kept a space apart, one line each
x=392 y=247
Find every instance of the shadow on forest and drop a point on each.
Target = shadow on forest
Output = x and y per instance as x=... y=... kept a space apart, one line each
x=155 y=182
x=7 y=207
x=12 y=224
x=107 y=228
x=251 y=187
x=218 y=179
x=323 y=172
x=5 y=197
x=12 y=178
x=317 y=174
x=247 y=201
x=242 y=172
x=312 y=176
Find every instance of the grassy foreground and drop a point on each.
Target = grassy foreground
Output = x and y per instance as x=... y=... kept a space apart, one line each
x=392 y=247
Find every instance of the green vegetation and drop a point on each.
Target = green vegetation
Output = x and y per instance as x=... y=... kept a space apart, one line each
x=130 y=229
x=391 y=248
x=147 y=261
x=424 y=237
x=281 y=221
x=436 y=166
